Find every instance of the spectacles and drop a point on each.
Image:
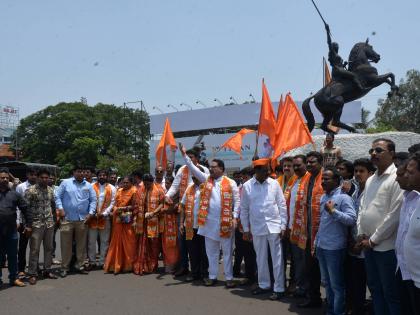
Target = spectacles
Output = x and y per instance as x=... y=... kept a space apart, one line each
x=376 y=150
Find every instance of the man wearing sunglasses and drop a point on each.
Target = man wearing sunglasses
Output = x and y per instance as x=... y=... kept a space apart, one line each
x=377 y=227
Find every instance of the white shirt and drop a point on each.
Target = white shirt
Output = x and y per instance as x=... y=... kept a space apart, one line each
x=263 y=207
x=21 y=190
x=212 y=227
x=411 y=245
x=101 y=199
x=293 y=195
x=380 y=209
x=196 y=203
x=177 y=180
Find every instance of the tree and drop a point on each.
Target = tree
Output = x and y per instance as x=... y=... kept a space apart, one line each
x=402 y=113
x=75 y=133
x=364 y=121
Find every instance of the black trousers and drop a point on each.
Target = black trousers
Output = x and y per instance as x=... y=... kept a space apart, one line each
x=355 y=284
x=198 y=258
x=287 y=254
x=247 y=252
x=409 y=295
x=23 y=244
x=312 y=275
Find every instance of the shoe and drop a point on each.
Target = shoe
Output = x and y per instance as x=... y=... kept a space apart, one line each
x=299 y=294
x=56 y=261
x=276 y=296
x=32 y=280
x=63 y=273
x=245 y=281
x=209 y=282
x=181 y=272
x=50 y=275
x=21 y=275
x=82 y=271
x=189 y=278
x=90 y=267
x=259 y=290
x=310 y=304
x=230 y=284
x=18 y=283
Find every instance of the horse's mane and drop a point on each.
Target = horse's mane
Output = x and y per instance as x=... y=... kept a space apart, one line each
x=354 y=53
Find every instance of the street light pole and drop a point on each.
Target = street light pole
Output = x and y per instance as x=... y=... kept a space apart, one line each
x=217 y=100
x=184 y=104
x=157 y=108
x=201 y=103
x=170 y=105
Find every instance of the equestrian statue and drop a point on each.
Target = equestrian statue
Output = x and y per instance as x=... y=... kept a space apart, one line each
x=350 y=81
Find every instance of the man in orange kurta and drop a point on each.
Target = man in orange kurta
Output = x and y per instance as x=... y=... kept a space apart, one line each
x=305 y=227
x=151 y=201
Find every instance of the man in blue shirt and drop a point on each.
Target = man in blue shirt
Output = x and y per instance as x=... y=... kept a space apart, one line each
x=75 y=202
x=337 y=214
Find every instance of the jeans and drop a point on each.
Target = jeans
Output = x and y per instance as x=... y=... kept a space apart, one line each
x=8 y=246
x=331 y=263
x=356 y=284
x=381 y=280
x=410 y=296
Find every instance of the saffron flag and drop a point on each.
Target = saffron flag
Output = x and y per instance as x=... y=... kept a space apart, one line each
x=281 y=103
x=326 y=71
x=267 y=122
x=235 y=142
x=167 y=139
x=291 y=130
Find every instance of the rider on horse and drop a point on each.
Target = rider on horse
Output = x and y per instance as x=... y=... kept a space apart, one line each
x=337 y=64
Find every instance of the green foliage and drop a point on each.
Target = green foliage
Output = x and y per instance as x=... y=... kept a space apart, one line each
x=402 y=113
x=380 y=127
x=75 y=133
x=123 y=163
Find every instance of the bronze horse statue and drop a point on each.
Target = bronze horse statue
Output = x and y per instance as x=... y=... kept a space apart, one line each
x=330 y=99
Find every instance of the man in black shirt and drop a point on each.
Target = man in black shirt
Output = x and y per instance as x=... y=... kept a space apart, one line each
x=9 y=201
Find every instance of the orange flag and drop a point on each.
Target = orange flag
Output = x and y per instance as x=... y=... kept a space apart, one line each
x=235 y=142
x=291 y=130
x=167 y=139
x=327 y=74
x=267 y=122
x=281 y=103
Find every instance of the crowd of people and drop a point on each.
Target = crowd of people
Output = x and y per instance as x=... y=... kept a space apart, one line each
x=315 y=219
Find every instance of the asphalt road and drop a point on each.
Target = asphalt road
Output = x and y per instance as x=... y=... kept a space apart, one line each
x=99 y=293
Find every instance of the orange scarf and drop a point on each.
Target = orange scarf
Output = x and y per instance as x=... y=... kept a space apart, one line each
x=189 y=212
x=149 y=202
x=286 y=187
x=299 y=233
x=99 y=222
x=184 y=181
x=226 y=205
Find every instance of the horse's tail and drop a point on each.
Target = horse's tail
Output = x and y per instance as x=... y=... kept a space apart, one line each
x=310 y=120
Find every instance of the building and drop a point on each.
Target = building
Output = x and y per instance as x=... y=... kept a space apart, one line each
x=213 y=126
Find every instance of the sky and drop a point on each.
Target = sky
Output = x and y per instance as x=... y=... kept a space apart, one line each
x=173 y=52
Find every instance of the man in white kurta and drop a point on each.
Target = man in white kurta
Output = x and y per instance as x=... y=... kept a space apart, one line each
x=211 y=229
x=264 y=215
